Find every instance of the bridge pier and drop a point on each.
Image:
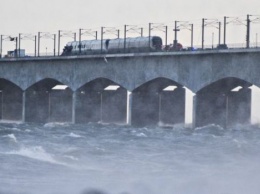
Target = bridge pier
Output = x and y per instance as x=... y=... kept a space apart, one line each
x=172 y=106
x=158 y=107
x=239 y=107
x=60 y=105
x=37 y=106
x=114 y=106
x=24 y=105
x=88 y=107
x=129 y=108
x=224 y=109
x=10 y=102
x=47 y=106
x=97 y=104
x=73 y=109
x=145 y=108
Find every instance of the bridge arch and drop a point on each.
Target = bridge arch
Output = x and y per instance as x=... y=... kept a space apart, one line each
x=11 y=98
x=158 y=101
x=167 y=75
x=224 y=102
x=101 y=100
x=48 y=100
x=46 y=80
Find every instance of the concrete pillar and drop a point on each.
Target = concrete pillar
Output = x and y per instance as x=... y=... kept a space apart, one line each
x=114 y=106
x=172 y=106
x=194 y=112
x=145 y=108
x=210 y=108
x=88 y=107
x=239 y=107
x=222 y=109
x=74 y=100
x=12 y=103
x=129 y=108
x=158 y=107
x=37 y=106
x=60 y=106
x=24 y=106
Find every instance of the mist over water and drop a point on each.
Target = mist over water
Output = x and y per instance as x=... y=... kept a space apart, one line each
x=76 y=159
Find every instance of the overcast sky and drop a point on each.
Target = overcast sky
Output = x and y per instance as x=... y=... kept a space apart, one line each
x=32 y=16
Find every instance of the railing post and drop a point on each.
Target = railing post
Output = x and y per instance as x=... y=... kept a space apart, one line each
x=59 y=43
x=19 y=44
x=39 y=36
x=124 y=38
x=1 y=46
x=225 y=23
x=248 y=32
x=202 y=40
x=80 y=41
x=102 y=28
x=54 y=46
x=191 y=44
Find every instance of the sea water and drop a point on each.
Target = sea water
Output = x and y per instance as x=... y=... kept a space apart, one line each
x=57 y=158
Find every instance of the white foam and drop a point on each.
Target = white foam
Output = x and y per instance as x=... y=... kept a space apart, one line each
x=55 y=124
x=141 y=135
x=74 y=135
x=37 y=153
x=209 y=126
x=12 y=137
x=10 y=121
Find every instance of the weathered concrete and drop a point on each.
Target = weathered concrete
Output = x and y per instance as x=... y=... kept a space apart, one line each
x=10 y=101
x=218 y=104
x=172 y=107
x=239 y=107
x=95 y=104
x=60 y=103
x=114 y=105
x=151 y=105
x=194 y=70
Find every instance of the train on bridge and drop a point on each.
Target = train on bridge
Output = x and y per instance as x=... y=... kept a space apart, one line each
x=119 y=45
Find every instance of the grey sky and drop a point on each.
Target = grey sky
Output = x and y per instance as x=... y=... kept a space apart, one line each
x=32 y=16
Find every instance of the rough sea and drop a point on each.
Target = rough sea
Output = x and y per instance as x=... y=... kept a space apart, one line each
x=58 y=158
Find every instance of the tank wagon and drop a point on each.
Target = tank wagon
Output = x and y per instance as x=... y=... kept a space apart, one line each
x=119 y=45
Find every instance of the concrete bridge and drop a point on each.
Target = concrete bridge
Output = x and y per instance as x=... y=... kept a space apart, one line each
x=151 y=87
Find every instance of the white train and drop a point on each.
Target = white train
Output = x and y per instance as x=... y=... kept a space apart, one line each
x=119 y=45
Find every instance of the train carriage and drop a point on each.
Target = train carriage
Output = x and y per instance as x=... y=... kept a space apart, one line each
x=119 y=45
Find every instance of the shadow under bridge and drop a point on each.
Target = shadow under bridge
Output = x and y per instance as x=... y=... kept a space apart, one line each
x=160 y=101
x=225 y=102
x=48 y=101
x=101 y=100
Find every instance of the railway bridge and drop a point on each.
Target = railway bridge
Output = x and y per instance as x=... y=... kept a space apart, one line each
x=139 y=89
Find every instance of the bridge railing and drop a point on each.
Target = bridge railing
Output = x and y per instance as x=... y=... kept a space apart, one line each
x=229 y=46
x=185 y=48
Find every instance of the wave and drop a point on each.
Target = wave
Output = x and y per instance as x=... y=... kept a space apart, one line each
x=37 y=153
x=74 y=135
x=12 y=137
x=11 y=121
x=56 y=124
x=210 y=129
